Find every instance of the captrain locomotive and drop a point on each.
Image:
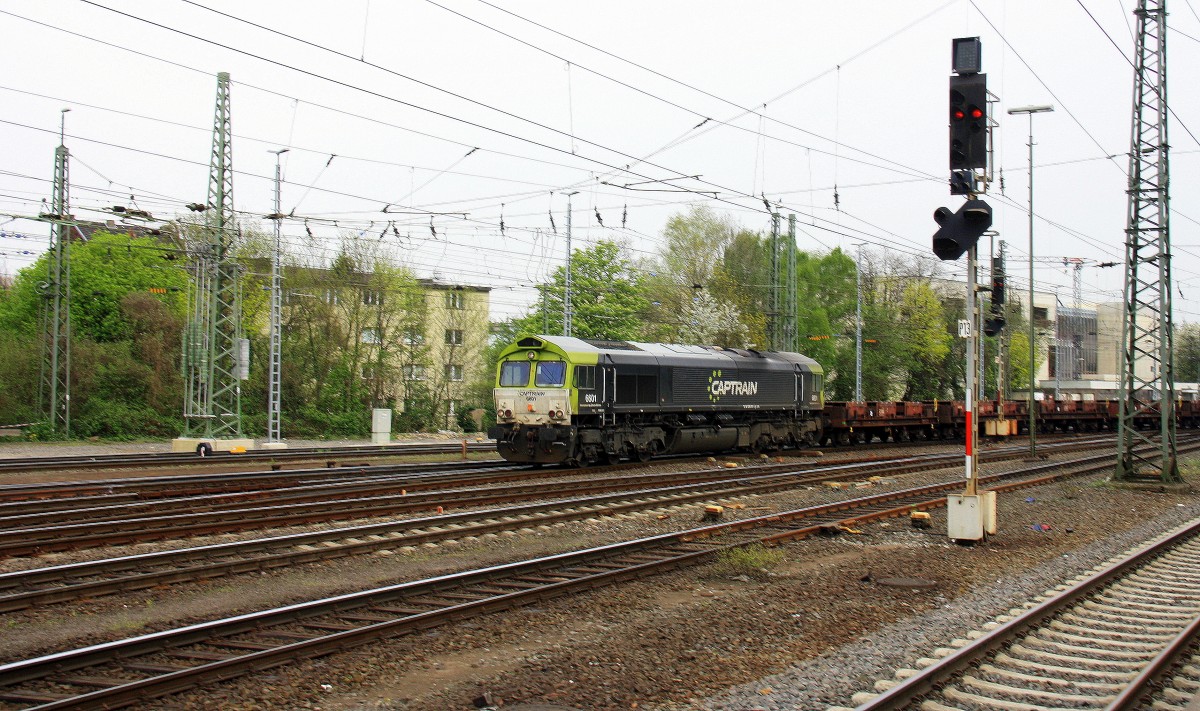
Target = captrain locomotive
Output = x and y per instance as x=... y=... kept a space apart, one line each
x=573 y=401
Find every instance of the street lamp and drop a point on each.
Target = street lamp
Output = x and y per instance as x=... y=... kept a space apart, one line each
x=1030 y=111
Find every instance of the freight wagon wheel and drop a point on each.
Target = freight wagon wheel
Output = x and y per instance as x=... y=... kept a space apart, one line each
x=843 y=438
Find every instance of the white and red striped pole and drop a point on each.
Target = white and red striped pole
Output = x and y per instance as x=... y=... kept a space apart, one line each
x=971 y=473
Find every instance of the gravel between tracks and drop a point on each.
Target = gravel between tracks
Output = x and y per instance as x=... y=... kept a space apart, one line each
x=803 y=632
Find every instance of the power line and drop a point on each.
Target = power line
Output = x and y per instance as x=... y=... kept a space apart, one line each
x=1044 y=84
x=1131 y=65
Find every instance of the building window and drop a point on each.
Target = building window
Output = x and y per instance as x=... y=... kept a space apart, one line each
x=414 y=372
x=370 y=335
x=455 y=407
x=331 y=296
x=455 y=300
x=1041 y=314
x=413 y=337
x=454 y=337
x=454 y=372
x=372 y=297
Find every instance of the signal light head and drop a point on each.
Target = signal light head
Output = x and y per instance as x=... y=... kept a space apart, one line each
x=957 y=114
x=976 y=112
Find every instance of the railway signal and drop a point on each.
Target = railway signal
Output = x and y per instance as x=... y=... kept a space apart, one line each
x=968 y=122
x=959 y=231
x=995 y=322
x=968 y=113
x=971 y=515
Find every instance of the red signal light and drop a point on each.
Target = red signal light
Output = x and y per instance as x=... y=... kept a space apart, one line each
x=976 y=113
x=957 y=114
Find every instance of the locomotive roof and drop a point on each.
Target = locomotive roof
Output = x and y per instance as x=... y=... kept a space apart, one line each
x=666 y=352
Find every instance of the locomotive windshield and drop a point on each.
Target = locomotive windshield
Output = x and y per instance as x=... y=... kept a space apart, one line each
x=551 y=374
x=514 y=374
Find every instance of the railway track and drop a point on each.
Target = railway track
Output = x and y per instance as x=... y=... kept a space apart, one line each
x=31 y=499
x=1120 y=638
x=127 y=671
x=55 y=584
x=12 y=465
x=60 y=530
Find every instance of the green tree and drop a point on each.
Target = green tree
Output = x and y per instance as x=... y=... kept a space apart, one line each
x=1187 y=352
x=609 y=296
x=350 y=332
x=103 y=270
x=125 y=338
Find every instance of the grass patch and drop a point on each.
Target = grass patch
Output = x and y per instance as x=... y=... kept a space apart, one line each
x=754 y=561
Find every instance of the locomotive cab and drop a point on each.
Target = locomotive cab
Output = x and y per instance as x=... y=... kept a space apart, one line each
x=535 y=403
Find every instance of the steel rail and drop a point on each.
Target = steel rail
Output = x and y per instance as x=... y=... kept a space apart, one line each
x=43 y=539
x=145 y=459
x=171 y=485
x=912 y=690
x=49 y=494
x=150 y=569
x=241 y=644
x=189 y=492
x=369 y=484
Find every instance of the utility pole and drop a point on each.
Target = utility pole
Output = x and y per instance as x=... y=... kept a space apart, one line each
x=1000 y=337
x=858 y=326
x=276 y=375
x=567 y=291
x=1147 y=331
x=791 y=309
x=216 y=357
x=1033 y=406
x=56 y=347
x=775 y=329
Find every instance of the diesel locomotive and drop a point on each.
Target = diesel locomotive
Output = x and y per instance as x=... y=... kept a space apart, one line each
x=575 y=402
x=563 y=400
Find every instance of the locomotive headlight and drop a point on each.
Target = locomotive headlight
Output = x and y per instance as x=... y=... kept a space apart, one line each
x=508 y=413
x=559 y=414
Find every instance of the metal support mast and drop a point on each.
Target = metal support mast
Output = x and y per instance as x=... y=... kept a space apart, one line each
x=567 y=310
x=1147 y=361
x=791 y=309
x=858 y=326
x=275 y=385
x=56 y=347
x=775 y=332
x=213 y=352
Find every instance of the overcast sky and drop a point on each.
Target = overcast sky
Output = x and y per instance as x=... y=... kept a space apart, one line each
x=468 y=116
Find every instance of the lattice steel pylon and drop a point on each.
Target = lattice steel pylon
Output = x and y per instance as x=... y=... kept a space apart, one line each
x=783 y=329
x=1147 y=361
x=212 y=348
x=775 y=315
x=791 y=309
x=54 y=389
